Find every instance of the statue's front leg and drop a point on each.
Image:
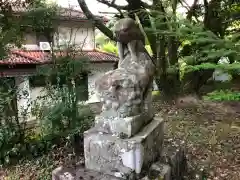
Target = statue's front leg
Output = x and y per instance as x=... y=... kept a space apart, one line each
x=120 y=52
x=111 y=99
x=132 y=45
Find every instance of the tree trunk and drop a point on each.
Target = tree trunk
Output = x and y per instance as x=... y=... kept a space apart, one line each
x=193 y=81
x=97 y=22
x=168 y=83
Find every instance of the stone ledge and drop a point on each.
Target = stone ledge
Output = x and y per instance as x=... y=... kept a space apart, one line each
x=122 y=127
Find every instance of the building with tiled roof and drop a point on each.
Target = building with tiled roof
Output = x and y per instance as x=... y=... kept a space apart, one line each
x=73 y=28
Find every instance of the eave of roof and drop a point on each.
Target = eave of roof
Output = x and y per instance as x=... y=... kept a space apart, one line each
x=19 y=57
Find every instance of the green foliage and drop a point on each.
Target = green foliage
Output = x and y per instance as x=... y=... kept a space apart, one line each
x=208 y=48
x=59 y=110
x=47 y=12
x=11 y=32
x=58 y=118
x=61 y=117
x=191 y=52
x=155 y=93
x=101 y=39
x=223 y=95
x=109 y=47
x=9 y=28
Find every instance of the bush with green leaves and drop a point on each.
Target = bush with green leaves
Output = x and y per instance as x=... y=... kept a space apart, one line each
x=223 y=95
x=65 y=87
x=61 y=117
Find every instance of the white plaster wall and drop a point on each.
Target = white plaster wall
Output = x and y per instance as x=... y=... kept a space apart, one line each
x=82 y=37
x=29 y=38
x=36 y=92
x=80 y=34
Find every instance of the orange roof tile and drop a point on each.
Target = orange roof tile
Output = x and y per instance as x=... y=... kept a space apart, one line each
x=39 y=57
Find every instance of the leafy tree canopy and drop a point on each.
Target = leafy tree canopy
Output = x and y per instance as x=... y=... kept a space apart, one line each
x=198 y=36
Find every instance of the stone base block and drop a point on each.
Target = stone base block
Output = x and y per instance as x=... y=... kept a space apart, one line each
x=123 y=157
x=122 y=127
x=79 y=173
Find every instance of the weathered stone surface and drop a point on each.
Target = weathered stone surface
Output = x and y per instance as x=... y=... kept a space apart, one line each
x=96 y=107
x=123 y=91
x=80 y=173
x=123 y=157
x=110 y=121
x=158 y=171
x=121 y=127
x=126 y=89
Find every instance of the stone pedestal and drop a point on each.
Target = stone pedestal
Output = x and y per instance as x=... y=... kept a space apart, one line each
x=110 y=154
x=111 y=121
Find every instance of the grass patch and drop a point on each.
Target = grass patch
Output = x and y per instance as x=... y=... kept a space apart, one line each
x=223 y=95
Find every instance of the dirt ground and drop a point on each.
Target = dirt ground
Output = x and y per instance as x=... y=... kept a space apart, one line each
x=211 y=132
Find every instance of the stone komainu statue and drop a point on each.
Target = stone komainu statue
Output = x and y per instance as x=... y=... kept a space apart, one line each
x=127 y=88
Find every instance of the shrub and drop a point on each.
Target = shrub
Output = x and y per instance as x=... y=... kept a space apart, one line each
x=57 y=119
x=223 y=95
x=61 y=119
x=155 y=93
x=37 y=143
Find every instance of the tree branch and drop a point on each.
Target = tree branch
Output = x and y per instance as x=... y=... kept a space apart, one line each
x=113 y=5
x=97 y=22
x=186 y=6
x=191 y=10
